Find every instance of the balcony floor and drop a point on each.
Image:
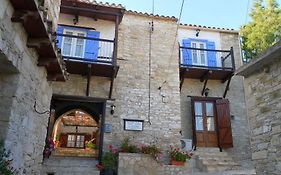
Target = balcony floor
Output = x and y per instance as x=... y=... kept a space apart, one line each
x=97 y=69
x=199 y=73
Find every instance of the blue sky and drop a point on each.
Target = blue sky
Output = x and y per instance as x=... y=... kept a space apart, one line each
x=215 y=13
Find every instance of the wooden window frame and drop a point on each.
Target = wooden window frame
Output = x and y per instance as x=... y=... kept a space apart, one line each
x=198 y=53
x=76 y=134
x=74 y=42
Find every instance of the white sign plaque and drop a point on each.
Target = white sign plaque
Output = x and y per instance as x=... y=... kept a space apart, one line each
x=133 y=125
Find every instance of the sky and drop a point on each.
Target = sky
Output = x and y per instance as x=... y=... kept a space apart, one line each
x=214 y=13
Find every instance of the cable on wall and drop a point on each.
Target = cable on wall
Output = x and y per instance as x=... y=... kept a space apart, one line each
x=175 y=38
x=151 y=29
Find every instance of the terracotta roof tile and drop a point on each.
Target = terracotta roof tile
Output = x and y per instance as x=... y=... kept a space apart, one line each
x=155 y=15
x=208 y=27
x=105 y=4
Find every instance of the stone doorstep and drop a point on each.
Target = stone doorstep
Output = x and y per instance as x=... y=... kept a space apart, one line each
x=70 y=166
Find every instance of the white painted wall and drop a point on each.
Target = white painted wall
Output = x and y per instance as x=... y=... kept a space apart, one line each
x=184 y=33
x=106 y=28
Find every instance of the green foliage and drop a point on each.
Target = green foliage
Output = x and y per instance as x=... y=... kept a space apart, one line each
x=179 y=155
x=110 y=159
x=264 y=30
x=5 y=163
x=153 y=150
x=127 y=147
x=90 y=144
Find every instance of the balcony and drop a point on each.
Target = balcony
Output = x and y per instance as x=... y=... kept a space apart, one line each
x=88 y=55
x=199 y=63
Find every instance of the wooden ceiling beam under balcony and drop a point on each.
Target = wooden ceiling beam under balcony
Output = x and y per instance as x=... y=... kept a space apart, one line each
x=91 y=10
x=38 y=29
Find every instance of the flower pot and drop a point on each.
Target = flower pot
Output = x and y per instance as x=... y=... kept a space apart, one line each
x=108 y=172
x=177 y=163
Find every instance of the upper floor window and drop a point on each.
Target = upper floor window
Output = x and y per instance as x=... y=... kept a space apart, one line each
x=199 y=56
x=74 y=47
x=79 y=48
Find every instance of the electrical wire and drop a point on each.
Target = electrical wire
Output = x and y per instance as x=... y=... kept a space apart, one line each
x=247 y=11
x=175 y=38
x=151 y=28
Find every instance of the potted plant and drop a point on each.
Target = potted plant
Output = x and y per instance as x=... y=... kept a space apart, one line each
x=109 y=165
x=90 y=144
x=178 y=156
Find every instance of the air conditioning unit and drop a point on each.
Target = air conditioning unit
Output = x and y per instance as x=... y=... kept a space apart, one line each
x=186 y=144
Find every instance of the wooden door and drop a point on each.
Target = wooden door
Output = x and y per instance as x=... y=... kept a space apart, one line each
x=224 y=123
x=205 y=123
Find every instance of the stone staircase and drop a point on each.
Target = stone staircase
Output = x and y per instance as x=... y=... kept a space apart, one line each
x=212 y=161
x=58 y=165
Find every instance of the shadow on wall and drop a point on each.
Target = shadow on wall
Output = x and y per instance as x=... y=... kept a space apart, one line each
x=8 y=85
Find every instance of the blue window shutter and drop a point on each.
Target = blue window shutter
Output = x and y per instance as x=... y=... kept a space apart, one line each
x=59 y=38
x=186 y=53
x=212 y=59
x=92 y=46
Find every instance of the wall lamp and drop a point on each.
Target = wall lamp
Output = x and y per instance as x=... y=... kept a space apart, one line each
x=206 y=92
x=112 y=109
x=75 y=19
x=197 y=32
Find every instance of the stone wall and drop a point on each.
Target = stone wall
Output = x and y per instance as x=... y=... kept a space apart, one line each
x=131 y=89
x=263 y=90
x=240 y=130
x=22 y=83
x=144 y=164
x=131 y=85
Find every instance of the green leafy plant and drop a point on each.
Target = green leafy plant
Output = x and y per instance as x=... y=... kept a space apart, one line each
x=90 y=144
x=127 y=147
x=153 y=150
x=263 y=30
x=109 y=160
x=179 y=155
x=5 y=162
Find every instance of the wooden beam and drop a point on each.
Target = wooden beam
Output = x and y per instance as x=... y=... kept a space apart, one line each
x=89 y=80
x=205 y=75
x=23 y=16
x=46 y=61
x=91 y=10
x=102 y=121
x=181 y=82
x=227 y=77
x=227 y=87
x=114 y=61
x=182 y=73
x=37 y=42
x=53 y=77
x=204 y=87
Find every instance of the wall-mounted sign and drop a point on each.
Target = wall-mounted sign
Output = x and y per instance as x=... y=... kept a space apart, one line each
x=133 y=125
x=107 y=128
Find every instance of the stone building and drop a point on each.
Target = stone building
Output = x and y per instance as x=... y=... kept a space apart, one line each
x=263 y=94
x=130 y=74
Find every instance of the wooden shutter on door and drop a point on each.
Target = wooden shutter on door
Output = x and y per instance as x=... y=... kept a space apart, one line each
x=224 y=123
x=63 y=140
x=186 y=53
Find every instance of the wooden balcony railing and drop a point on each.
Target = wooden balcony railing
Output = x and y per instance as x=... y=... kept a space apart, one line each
x=104 y=53
x=199 y=63
x=224 y=59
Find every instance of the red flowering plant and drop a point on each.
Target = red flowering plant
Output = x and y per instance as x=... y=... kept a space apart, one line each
x=109 y=160
x=179 y=155
x=50 y=146
x=152 y=150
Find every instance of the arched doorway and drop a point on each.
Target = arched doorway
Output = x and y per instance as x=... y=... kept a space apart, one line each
x=76 y=133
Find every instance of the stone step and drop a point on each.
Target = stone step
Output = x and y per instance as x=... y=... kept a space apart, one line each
x=221 y=167
x=210 y=158
x=209 y=149
x=70 y=166
x=230 y=163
